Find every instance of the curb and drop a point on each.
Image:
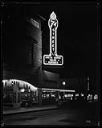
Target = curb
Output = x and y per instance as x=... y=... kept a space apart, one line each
x=25 y=111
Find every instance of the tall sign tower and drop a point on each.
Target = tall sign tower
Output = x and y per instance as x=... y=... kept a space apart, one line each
x=53 y=58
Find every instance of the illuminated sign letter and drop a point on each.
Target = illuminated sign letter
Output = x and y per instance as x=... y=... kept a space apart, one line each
x=53 y=58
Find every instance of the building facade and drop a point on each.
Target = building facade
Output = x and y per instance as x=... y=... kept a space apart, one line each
x=25 y=61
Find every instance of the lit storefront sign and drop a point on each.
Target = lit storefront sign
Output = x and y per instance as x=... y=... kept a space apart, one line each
x=19 y=83
x=53 y=58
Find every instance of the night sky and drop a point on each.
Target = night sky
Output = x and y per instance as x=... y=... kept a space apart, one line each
x=77 y=33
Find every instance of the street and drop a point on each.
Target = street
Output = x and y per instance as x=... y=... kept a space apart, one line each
x=65 y=115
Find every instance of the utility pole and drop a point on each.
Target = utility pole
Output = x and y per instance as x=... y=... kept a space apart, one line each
x=88 y=88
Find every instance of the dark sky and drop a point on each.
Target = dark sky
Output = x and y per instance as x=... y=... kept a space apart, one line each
x=77 y=32
x=77 y=35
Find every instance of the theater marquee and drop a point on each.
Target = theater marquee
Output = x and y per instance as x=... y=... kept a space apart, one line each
x=53 y=58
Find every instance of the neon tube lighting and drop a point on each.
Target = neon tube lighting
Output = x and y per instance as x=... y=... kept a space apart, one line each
x=53 y=58
x=21 y=82
x=58 y=90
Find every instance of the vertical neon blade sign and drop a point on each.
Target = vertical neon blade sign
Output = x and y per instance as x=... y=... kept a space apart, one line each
x=53 y=58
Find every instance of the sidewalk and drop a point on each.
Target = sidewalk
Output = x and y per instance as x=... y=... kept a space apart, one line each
x=29 y=109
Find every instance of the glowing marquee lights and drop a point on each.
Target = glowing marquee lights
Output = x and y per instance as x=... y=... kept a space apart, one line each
x=53 y=58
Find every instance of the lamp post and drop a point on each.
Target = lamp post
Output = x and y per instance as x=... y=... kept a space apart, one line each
x=63 y=83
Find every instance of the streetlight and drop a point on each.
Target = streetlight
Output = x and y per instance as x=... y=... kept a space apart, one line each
x=63 y=83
